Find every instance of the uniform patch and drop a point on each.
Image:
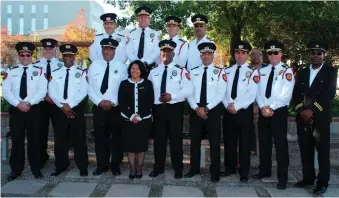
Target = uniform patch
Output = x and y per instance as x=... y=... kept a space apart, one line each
x=224 y=77
x=174 y=73
x=35 y=73
x=256 y=79
x=281 y=71
x=215 y=71
x=188 y=76
x=289 y=77
x=118 y=39
x=77 y=75
x=5 y=75
x=59 y=65
x=248 y=74
x=116 y=71
x=152 y=35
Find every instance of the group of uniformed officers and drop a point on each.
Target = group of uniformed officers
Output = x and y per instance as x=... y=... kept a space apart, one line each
x=57 y=90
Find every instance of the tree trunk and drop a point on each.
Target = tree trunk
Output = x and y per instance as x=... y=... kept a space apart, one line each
x=235 y=37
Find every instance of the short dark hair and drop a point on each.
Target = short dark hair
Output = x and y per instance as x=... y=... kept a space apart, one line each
x=141 y=66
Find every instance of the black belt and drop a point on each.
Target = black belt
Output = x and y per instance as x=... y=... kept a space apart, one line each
x=164 y=105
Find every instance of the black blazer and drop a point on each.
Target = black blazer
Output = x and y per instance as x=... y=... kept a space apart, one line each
x=144 y=101
x=319 y=96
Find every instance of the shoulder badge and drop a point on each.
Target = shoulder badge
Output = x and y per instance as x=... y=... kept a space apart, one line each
x=174 y=73
x=99 y=34
x=289 y=77
x=77 y=75
x=118 y=39
x=256 y=79
x=195 y=67
x=35 y=73
x=248 y=74
x=216 y=71
x=59 y=65
x=152 y=35
x=224 y=77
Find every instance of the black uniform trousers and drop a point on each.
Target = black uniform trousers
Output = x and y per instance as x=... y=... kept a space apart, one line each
x=239 y=126
x=213 y=127
x=46 y=114
x=66 y=128
x=307 y=145
x=168 y=120
x=108 y=137
x=21 y=123
x=275 y=126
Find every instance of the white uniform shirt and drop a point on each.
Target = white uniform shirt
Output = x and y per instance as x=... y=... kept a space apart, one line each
x=313 y=73
x=181 y=51
x=177 y=82
x=247 y=86
x=216 y=85
x=55 y=64
x=77 y=86
x=95 y=75
x=282 y=87
x=36 y=85
x=95 y=50
x=194 y=59
x=151 y=48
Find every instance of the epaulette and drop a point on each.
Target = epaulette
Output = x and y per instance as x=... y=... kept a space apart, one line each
x=60 y=60
x=13 y=67
x=195 y=67
x=37 y=62
x=217 y=67
x=154 y=66
x=252 y=68
x=263 y=65
x=79 y=68
x=285 y=66
x=209 y=39
x=121 y=35
x=37 y=67
x=182 y=40
x=99 y=34
x=56 y=69
x=132 y=30
x=178 y=66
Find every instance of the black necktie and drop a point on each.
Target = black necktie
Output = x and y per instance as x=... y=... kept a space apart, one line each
x=170 y=39
x=203 y=92
x=163 y=81
x=235 y=84
x=110 y=36
x=269 y=84
x=48 y=69
x=66 y=85
x=23 y=85
x=141 y=44
x=104 y=84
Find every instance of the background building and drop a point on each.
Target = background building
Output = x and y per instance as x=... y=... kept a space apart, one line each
x=22 y=17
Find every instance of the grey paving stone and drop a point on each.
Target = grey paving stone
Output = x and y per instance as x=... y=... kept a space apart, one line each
x=23 y=187
x=128 y=190
x=334 y=179
x=331 y=192
x=289 y=192
x=5 y=169
x=274 y=178
x=46 y=170
x=68 y=189
x=181 y=191
x=125 y=174
x=235 y=191
x=232 y=178
x=75 y=173
x=169 y=176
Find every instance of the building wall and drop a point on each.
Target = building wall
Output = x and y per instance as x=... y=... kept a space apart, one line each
x=48 y=14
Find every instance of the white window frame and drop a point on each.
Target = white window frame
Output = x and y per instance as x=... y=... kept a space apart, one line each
x=21 y=26
x=21 y=9
x=9 y=25
x=45 y=23
x=33 y=24
x=9 y=9
x=33 y=9
x=45 y=9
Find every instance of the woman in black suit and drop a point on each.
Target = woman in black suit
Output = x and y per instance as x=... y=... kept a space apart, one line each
x=135 y=99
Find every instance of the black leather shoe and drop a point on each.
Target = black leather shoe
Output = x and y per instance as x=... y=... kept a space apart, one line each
x=261 y=175
x=56 y=173
x=244 y=179
x=154 y=173
x=84 y=173
x=12 y=176
x=226 y=173
x=303 y=183
x=178 y=175
x=319 y=190
x=116 y=172
x=131 y=176
x=99 y=171
x=281 y=186
x=38 y=175
x=138 y=176
x=215 y=179
x=190 y=174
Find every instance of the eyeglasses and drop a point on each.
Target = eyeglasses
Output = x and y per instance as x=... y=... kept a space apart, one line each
x=198 y=25
x=273 y=52
x=316 y=53
x=255 y=54
x=27 y=55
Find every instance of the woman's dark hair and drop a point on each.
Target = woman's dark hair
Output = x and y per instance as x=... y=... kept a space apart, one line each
x=141 y=66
